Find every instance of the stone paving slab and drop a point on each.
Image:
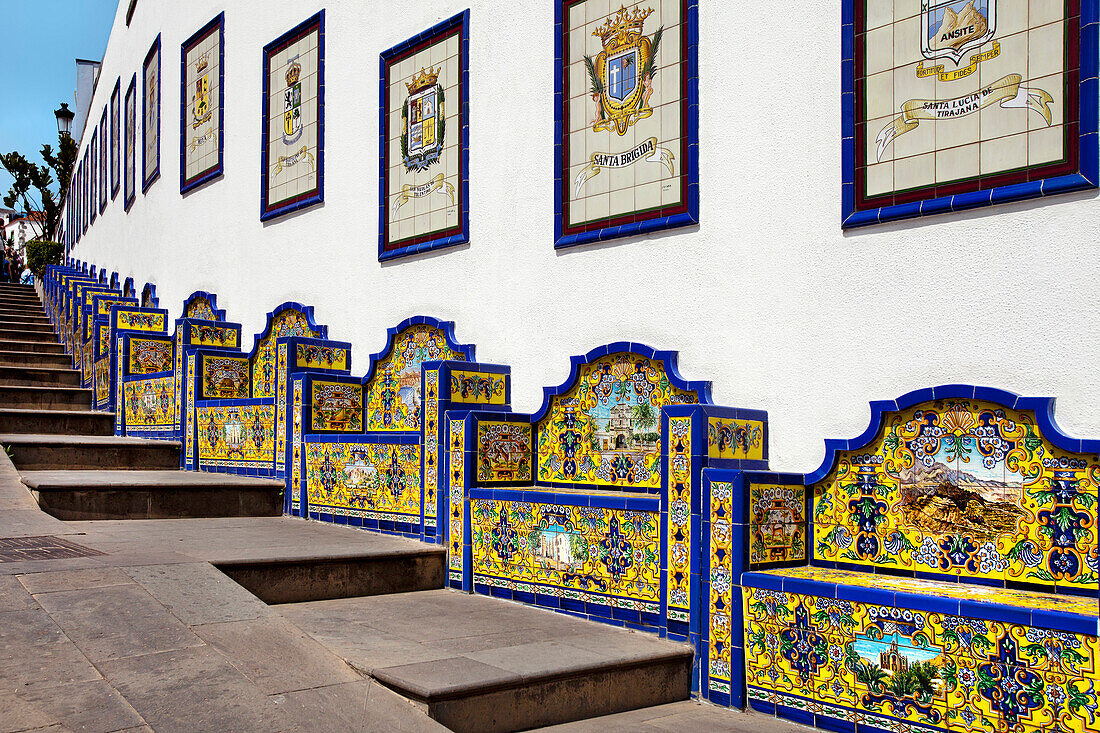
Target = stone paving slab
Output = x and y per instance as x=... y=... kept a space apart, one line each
x=680 y=717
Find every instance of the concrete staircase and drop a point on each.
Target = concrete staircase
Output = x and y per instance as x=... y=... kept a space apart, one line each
x=66 y=452
x=471 y=663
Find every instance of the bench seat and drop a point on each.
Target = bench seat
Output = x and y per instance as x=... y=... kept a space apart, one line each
x=1060 y=612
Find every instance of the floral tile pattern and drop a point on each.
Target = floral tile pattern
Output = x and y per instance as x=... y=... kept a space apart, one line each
x=224 y=377
x=477 y=387
x=605 y=430
x=393 y=392
x=236 y=437
x=899 y=669
x=288 y=322
x=150 y=404
x=575 y=552
x=370 y=480
x=221 y=336
x=337 y=406
x=735 y=439
x=314 y=356
x=963 y=487
x=147 y=356
x=777 y=522
x=503 y=451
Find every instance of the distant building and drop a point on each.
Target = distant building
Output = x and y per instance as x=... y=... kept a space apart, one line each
x=87 y=73
x=892 y=660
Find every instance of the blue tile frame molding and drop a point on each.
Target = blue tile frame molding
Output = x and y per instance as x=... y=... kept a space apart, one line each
x=686 y=212
x=148 y=177
x=460 y=232
x=102 y=165
x=93 y=176
x=129 y=168
x=316 y=195
x=116 y=137
x=1077 y=170
x=216 y=25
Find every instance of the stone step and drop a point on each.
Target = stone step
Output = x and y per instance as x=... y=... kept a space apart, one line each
x=46 y=398
x=38 y=376
x=23 y=334
x=35 y=359
x=21 y=301
x=40 y=347
x=36 y=327
x=327 y=575
x=44 y=452
x=76 y=495
x=478 y=664
x=57 y=422
x=24 y=315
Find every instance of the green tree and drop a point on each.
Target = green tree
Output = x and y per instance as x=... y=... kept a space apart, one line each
x=644 y=415
x=31 y=190
x=870 y=674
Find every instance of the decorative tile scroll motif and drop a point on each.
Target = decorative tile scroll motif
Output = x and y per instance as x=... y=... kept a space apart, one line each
x=878 y=665
x=393 y=393
x=679 y=518
x=337 y=406
x=503 y=451
x=178 y=373
x=147 y=357
x=597 y=555
x=189 y=425
x=777 y=523
x=236 y=437
x=371 y=480
x=150 y=404
x=224 y=377
x=103 y=379
x=200 y=308
x=296 y=448
x=104 y=340
x=206 y=335
x=720 y=602
x=735 y=439
x=967 y=488
x=477 y=388
x=131 y=321
x=430 y=443
x=282 y=369
x=312 y=356
x=287 y=323
x=456 y=442
x=605 y=430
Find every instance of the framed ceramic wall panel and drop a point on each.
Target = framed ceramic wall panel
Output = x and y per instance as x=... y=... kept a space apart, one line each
x=150 y=115
x=626 y=114
x=93 y=176
x=423 y=141
x=129 y=171
x=115 y=138
x=953 y=104
x=202 y=101
x=292 y=166
x=102 y=164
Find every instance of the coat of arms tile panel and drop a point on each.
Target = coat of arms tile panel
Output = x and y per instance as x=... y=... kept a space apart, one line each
x=202 y=90
x=423 y=140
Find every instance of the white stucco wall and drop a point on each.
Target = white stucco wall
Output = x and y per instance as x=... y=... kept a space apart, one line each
x=768 y=298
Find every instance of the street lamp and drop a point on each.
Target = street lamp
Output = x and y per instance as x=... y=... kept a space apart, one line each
x=64 y=119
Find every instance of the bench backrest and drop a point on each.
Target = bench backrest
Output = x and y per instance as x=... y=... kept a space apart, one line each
x=603 y=425
x=970 y=483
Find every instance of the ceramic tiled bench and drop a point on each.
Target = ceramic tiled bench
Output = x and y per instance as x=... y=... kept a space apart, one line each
x=591 y=506
x=937 y=573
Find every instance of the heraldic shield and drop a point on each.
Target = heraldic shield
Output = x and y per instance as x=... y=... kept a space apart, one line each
x=951 y=28
x=423 y=127
x=622 y=73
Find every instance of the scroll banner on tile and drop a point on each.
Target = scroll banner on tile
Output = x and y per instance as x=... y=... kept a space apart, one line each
x=421 y=190
x=647 y=151
x=286 y=161
x=1006 y=90
x=962 y=73
x=209 y=135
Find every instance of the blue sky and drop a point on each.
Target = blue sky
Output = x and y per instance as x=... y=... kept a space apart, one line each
x=42 y=40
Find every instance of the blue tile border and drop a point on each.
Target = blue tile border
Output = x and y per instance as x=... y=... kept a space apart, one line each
x=449 y=238
x=149 y=177
x=315 y=23
x=216 y=24
x=633 y=224
x=1088 y=159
